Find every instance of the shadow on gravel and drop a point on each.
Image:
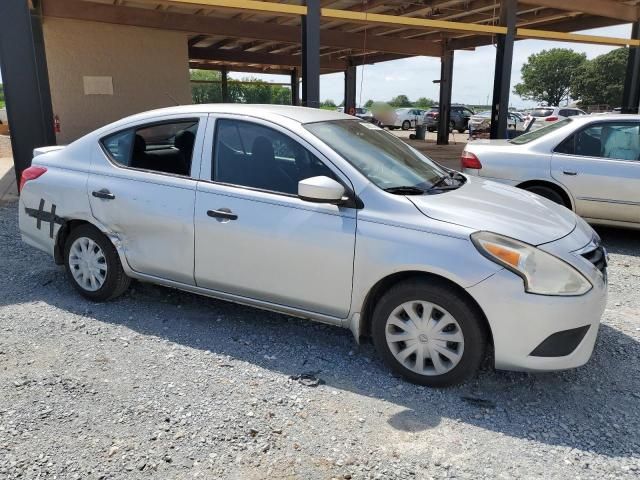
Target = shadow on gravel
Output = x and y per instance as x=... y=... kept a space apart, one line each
x=595 y=408
x=621 y=241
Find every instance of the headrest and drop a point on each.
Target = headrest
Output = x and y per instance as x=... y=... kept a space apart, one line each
x=139 y=144
x=262 y=147
x=184 y=140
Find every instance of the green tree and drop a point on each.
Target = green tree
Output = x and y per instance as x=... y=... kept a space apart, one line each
x=1 y=95
x=423 y=102
x=257 y=91
x=547 y=76
x=369 y=104
x=328 y=105
x=601 y=80
x=400 y=101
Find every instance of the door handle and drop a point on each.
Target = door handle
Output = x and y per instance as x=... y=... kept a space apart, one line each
x=569 y=172
x=223 y=213
x=104 y=194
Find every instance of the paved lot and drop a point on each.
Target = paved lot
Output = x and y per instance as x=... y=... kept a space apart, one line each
x=163 y=384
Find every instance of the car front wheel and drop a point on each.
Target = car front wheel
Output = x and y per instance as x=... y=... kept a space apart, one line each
x=93 y=264
x=429 y=333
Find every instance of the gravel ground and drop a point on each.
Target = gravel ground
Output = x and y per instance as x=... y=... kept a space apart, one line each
x=163 y=384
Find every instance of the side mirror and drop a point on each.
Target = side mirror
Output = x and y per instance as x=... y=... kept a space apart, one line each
x=320 y=190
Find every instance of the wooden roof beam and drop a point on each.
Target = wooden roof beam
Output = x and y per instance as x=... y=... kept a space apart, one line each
x=600 y=8
x=199 y=24
x=199 y=54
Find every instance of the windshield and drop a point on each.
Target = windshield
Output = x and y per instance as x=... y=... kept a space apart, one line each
x=541 y=112
x=383 y=158
x=486 y=114
x=541 y=132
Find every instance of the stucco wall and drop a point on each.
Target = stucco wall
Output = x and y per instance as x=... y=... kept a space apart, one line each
x=149 y=69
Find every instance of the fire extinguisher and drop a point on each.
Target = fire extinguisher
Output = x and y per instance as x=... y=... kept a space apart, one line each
x=56 y=124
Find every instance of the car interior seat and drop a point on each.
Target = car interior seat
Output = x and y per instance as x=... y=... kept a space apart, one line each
x=623 y=144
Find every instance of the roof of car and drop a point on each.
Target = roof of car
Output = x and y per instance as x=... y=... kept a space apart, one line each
x=298 y=114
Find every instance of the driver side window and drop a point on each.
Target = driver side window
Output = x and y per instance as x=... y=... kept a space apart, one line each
x=251 y=155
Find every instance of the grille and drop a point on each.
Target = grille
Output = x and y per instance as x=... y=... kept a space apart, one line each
x=598 y=257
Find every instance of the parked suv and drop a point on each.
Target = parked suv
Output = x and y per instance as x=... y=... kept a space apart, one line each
x=459 y=116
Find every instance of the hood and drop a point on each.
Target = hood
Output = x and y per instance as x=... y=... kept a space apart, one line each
x=485 y=205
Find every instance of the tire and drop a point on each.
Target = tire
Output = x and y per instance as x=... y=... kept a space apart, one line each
x=462 y=130
x=548 y=193
x=431 y=129
x=406 y=125
x=109 y=280
x=462 y=320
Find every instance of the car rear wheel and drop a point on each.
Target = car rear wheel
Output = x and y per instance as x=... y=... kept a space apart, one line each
x=431 y=129
x=406 y=125
x=548 y=193
x=93 y=265
x=429 y=333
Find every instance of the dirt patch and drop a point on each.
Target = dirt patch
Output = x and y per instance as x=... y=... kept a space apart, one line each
x=5 y=146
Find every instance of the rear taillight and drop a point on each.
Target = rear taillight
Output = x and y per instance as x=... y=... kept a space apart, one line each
x=30 y=173
x=432 y=114
x=551 y=119
x=469 y=160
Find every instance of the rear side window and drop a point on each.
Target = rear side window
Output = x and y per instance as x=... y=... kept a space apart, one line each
x=165 y=147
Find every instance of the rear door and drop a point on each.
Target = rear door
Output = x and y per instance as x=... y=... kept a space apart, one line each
x=600 y=166
x=142 y=189
x=254 y=237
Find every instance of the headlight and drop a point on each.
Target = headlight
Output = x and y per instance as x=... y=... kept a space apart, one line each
x=543 y=274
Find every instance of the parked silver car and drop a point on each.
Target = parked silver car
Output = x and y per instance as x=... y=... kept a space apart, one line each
x=590 y=164
x=324 y=216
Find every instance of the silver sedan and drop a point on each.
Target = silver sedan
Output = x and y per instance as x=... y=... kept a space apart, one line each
x=589 y=164
x=323 y=216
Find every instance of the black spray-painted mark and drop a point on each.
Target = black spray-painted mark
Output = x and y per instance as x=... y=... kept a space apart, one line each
x=42 y=216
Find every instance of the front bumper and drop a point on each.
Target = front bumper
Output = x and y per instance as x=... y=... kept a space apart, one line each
x=520 y=322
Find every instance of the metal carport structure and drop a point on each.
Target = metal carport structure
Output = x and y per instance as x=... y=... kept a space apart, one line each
x=306 y=39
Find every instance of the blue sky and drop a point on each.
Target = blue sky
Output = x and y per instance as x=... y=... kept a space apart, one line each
x=472 y=74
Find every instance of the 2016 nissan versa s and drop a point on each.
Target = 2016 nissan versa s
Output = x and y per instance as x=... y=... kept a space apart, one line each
x=321 y=215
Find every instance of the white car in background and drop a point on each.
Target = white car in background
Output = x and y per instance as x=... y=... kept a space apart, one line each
x=481 y=122
x=590 y=164
x=544 y=116
x=404 y=118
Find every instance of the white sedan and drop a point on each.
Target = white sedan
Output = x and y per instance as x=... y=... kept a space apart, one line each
x=590 y=164
x=324 y=216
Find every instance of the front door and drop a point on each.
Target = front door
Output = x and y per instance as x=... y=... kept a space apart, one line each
x=255 y=238
x=142 y=190
x=600 y=165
